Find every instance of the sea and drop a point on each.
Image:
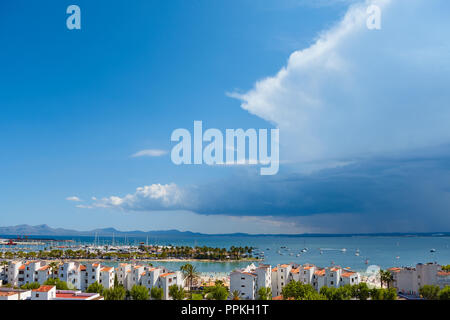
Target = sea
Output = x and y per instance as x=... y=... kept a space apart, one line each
x=355 y=251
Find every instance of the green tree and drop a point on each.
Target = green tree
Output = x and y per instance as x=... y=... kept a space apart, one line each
x=115 y=293
x=139 y=293
x=157 y=293
x=361 y=291
x=218 y=292
x=390 y=294
x=96 y=288
x=444 y=294
x=60 y=285
x=299 y=291
x=176 y=292
x=30 y=286
x=264 y=293
x=429 y=292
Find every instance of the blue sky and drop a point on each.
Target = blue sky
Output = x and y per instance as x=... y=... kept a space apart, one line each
x=363 y=115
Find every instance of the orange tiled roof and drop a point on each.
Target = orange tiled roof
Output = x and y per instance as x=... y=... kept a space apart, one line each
x=347 y=274
x=44 y=268
x=444 y=273
x=277 y=298
x=297 y=270
x=7 y=293
x=44 y=289
x=82 y=268
x=22 y=267
x=320 y=272
x=275 y=269
x=308 y=267
x=95 y=265
x=166 y=274
x=251 y=274
x=395 y=269
x=107 y=269
x=284 y=265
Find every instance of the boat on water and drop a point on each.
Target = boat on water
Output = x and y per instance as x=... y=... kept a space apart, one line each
x=433 y=250
x=298 y=254
x=343 y=249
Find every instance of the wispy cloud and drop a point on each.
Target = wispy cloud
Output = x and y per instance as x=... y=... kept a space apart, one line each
x=74 y=198
x=149 y=153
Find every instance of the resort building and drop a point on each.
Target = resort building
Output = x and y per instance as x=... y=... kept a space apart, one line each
x=44 y=293
x=166 y=280
x=14 y=275
x=409 y=280
x=14 y=294
x=122 y=271
x=249 y=280
x=280 y=277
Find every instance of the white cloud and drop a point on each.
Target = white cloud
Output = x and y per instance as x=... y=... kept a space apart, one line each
x=74 y=198
x=147 y=198
x=357 y=92
x=149 y=153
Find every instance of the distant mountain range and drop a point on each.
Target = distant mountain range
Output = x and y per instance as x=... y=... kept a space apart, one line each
x=45 y=230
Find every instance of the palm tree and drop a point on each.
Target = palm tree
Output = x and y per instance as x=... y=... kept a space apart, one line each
x=53 y=266
x=386 y=277
x=190 y=273
x=235 y=295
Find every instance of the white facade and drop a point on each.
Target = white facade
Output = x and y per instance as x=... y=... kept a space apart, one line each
x=409 y=280
x=280 y=277
x=249 y=280
x=169 y=279
x=44 y=293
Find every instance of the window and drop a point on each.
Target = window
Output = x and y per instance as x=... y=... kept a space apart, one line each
x=37 y=295
x=332 y=282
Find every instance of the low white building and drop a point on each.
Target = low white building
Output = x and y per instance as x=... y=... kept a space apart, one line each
x=44 y=293
x=14 y=294
x=249 y=280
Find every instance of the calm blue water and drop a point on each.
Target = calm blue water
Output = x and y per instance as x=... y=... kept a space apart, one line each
x=385 y=251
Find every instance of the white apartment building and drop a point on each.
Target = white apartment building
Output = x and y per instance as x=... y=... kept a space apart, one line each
x=14 y=275
x=70 y=273
x=107 y=277
x=249 y=280
x=280 y=277
x=151 y=275
x=409 y=280
x=166 y=280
